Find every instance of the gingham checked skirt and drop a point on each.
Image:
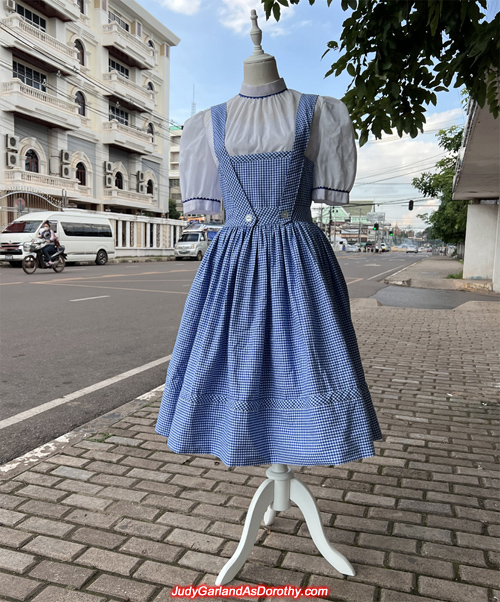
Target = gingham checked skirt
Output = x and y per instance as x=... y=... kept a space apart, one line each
x=266 y=366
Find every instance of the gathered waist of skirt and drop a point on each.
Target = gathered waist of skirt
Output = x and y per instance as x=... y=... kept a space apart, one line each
x=269 y=217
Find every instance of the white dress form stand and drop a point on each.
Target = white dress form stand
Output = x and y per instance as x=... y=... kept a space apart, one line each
x=281 y=487
x=275 y=495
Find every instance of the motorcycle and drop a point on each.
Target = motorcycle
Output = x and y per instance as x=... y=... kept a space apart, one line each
x=35 y=258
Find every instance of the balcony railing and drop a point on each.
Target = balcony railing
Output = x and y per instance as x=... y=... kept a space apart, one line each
x=39 y=179
x=25 y=29
x=115 y=77
x=16 y=85
x=109 y=126
x=133 y=42
x=128 y=195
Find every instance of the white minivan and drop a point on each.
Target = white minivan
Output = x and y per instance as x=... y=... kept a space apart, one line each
x=86 y=237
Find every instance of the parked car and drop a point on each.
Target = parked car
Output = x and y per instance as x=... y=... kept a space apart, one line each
x=353 y=248
x=384 y=248
x=86 y=237
x=411 y=249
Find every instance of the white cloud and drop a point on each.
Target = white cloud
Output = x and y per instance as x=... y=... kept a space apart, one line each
x=235 y=15
x=186 y=7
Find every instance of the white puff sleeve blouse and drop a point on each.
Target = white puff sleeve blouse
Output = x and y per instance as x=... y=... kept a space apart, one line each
x=262 y=119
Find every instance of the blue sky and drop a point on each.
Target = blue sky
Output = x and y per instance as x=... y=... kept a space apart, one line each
x=214 y=43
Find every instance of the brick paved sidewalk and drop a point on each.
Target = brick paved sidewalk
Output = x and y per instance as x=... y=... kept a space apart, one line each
x=115 y=516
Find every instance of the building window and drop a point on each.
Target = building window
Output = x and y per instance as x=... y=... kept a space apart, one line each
x=81 y=6
x=150 y=187
x=80 y=101
x=32 y=18
x=151 y=130
x=114 y=17
x=114 y=66
x=118 y=114
x=119 y=180
x=150 y=86
x=81 y=174
x=29 y=76
x=31 y=161
x=80 y=52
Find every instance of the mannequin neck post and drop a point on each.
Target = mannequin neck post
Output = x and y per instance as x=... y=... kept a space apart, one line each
x=260 y=72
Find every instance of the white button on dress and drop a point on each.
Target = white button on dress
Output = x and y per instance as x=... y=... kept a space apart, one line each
x=284 y=214
x=249 y=217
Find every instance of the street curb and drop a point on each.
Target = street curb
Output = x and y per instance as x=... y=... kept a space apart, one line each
x=403 y=282
x=56 y=446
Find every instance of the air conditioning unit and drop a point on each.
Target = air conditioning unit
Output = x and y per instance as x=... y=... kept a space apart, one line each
x=10 y=4
x=140 y=176
x=65 y=156
x=65 y=171
x=11 y=142
x=109 y=180
x=12 y=160
x=108 y=167
x=141 y=188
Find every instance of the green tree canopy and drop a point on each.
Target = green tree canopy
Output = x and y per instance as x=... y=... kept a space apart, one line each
x=448 y=223
x=172 y=210
x=400 y=53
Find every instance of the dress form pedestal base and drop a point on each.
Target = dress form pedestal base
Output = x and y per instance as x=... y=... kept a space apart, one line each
x=275 y=495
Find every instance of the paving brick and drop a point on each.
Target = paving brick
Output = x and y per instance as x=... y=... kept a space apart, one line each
x=151 y=475
x=10 y=518
x=426 y=507
x=64 y=574
x=59 y=594
x=454 y=554
x=485 y=577
x=111 y=562
x=18 y=588
x=208 y=563
x=108 y=468
x=394 y=596
x=103 y=456
x=397 y=515
x=64 y=460
x=361 y=524
x=54 y=548
x=158 y=488
x=462 y=500
x=368 y=499
x=10 y=502
x=141 y=463
x=290 y=543
x=42 y=493
x=419 y=565
x=87 y=502
x=422 y=533
x=260 y=555
x=96 y=537
x=34 y=478
x=184 y=522
x=46 y=527
x=12 y=538
x=449 y=590
x=192 y=471
x=228 y=530
x=345 y=590
x=258 y=573
x=141 y=529
x=209 y=497
x=169 y=503
x=69 y=472
x=151 y=549
x=388 y=543
x=334 y=535
x=119 y=493
x=110 y=480
x=16 y=562
x=165 y=574
x=200 y=542
x=219 y=512
x=93 y=519
x=44 y=509
x=459 y=524
x=195 y=482
x=79 y=487
x=478 y=541
x=341 y=508
x=126 y=441
x=133 y=451
x=126 y=589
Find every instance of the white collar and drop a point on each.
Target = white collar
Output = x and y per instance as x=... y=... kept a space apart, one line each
x=263 y=90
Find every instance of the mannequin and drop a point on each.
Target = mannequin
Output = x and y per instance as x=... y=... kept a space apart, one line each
x=281 y=487
x=259 y=68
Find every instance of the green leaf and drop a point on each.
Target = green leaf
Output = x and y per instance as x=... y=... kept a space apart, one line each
x=276 y=11
x=351 y=70
x=283 y=2
x=363 y=137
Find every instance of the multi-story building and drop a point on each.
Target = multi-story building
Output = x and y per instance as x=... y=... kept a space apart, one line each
x=84 y=103
x=175 y=186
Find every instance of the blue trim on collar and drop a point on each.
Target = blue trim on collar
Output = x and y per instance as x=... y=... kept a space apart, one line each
x=267 y=95
x=201 y=198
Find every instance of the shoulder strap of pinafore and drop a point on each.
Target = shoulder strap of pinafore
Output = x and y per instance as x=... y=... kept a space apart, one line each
x=226 y=168
x=303 y=122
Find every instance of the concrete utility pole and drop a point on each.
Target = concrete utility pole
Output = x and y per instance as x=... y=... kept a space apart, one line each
x=359 y=228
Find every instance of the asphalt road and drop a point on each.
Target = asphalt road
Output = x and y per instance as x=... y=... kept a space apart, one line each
x=63 y=333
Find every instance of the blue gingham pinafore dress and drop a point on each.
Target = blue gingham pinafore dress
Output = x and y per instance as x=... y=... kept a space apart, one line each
x=266 y=366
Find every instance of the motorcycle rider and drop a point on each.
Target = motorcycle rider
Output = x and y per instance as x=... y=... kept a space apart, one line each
x=47 y=234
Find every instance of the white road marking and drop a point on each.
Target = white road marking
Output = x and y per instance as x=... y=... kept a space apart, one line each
x=90 y=298
x=382 y=273
x=81 y=393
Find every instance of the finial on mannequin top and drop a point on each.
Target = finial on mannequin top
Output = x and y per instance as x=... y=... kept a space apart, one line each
x=259 y=68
